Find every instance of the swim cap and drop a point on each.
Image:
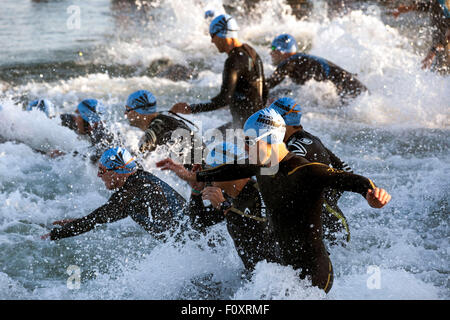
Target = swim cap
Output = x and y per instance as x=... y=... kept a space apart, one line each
x=43 y=105
x=142 y=102
x=266 y=125
x=209 y=14
x=225 y=152
x=119 y=160
x=90 y=110
x=285 y=43
x=289 y=110
x=224 y=26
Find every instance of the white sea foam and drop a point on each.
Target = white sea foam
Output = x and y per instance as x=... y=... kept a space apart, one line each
x=397 y=135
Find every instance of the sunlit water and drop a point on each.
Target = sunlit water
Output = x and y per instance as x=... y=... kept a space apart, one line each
x=398 y=136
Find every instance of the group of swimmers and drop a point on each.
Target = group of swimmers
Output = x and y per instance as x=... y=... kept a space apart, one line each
x=276 y=188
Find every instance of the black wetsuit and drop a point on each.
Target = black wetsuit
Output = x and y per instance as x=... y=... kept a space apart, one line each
x=100 y=137
x=245 y=223
x=440 y=24
x=304 y=144
x=302 y=67
x=142 y=193
x=294 y=198
x=242 y=86
x=160 y=131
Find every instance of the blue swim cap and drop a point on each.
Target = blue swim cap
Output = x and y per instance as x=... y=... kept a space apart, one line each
x=285 y=43
x=266 y=125
x=224 y=26
x=43 y=105
x=142 y=102
x=90 y=110
x=119 y=160
x=225 y=152
x=289 y=110
x=209 y=14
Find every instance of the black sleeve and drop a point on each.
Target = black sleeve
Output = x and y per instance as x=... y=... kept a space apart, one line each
x=338 y=163
x=112 y=211
x=202 y=217
x=151 y=209
x=230 y=77
x=227 y=172
x=321 y=176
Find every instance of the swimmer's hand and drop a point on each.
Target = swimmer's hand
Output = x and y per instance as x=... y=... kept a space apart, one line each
x=213 y=194
x=178 y=169
x=181 y=107
x=62 y=222
x=377 y=198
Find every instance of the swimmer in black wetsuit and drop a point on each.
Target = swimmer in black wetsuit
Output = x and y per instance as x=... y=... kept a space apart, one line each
x=158 y=127
x=301 y=67
x=292 y=190
x=238 y=202
x=439 y=11
x=87 y=121
x=304 y=144
x=242 y=80
x=137 y=194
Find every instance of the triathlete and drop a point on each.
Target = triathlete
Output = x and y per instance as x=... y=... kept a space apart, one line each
x=88 y=121
x=141 y=112
x=137 y=193
x=239 y=203
x=292 y=190
x=301 y=67
x=440 y=22
x=242 y=78
x=302 y=143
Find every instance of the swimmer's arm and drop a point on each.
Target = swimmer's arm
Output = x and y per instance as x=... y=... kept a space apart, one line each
x=229 y=82
x=326 y=177
x=202 y=217
x=152 y=197
x=346 y=181
x=109 y=212
x=338 y=163
x=320 y=176
x=278 y=75
x=227 y=172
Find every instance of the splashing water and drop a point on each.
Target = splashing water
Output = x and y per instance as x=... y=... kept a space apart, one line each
x=398 y=135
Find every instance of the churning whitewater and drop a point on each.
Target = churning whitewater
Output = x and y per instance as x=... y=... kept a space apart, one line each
x=398 y=135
